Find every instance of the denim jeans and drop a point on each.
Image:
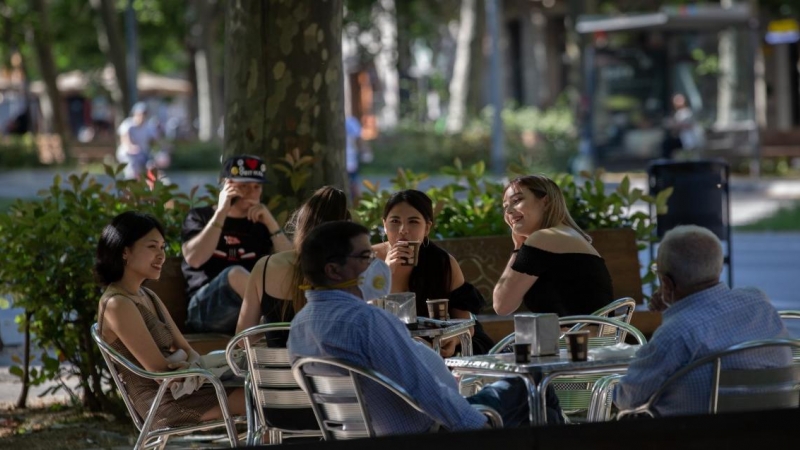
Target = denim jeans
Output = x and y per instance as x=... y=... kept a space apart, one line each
x=509 y=397
x=215 y=307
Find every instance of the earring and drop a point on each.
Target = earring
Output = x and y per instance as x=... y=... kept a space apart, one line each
x=425 y=241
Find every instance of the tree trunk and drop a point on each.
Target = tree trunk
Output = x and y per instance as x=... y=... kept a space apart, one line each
x=208 y=95
x=459 y=85
x=726 y=80
x=385 y=20
x=112 y=46
x=284 y=92
x=476 y=98
x=44 y=54
x=22 y=400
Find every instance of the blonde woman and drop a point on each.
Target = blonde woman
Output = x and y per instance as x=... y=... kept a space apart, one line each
x=553 y=267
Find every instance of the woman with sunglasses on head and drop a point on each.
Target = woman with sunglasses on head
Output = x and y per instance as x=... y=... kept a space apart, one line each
x=554 y=268
x=273 y=288
x=134 y=321
x=408 y=217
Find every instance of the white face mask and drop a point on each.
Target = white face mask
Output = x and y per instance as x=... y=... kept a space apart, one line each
x=376 y=281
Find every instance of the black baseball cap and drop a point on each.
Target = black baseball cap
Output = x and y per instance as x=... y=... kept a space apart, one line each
x=246 y=168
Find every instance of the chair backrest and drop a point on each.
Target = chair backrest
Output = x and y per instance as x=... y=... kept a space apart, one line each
x=610 y=330
x=743 y=389
x=616 y=332
x=623 y=311
x=268 y=374
x=112 y=358
x=792 y=315
x=335 y=389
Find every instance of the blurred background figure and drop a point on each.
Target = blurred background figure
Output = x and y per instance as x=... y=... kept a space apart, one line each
x=683 y=132
x=136 y=136
x=352 y=150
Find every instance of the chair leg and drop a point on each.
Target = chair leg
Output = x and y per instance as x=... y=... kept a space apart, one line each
x=275 y=437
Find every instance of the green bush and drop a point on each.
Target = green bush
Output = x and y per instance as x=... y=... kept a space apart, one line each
x=49 y=246
x=196 y=155
x=471 y=204
x=547 y=138
x=19 y=152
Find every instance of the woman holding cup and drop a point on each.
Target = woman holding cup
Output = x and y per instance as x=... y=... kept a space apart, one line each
x=420 y=266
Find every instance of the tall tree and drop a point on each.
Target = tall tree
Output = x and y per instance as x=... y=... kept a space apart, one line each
x=209 y=97
x=385 y=19
x=43 y=44
x=284 y=92
x=459 y=84
x=110 y=41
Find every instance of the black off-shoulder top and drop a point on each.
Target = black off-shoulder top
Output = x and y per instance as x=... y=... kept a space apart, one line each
x=568 y=283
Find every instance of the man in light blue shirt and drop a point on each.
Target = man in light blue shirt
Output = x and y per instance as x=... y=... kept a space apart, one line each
x=701 y=316
x=338 y=323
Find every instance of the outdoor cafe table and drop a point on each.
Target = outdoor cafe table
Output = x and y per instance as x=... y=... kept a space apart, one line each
x=439 y=330
x=538 y=372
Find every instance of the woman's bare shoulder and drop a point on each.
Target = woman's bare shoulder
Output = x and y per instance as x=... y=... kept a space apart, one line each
x=560 y=240
x=282 y=259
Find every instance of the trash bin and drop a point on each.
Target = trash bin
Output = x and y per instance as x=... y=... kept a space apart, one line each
x=700 y=197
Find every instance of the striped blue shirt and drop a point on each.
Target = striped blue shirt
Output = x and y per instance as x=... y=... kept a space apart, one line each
x=338 y=325
x=696 y=326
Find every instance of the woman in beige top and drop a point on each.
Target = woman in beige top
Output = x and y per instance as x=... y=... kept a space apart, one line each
x=134 y=321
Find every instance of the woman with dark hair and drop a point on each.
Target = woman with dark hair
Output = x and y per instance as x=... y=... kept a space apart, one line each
x=272 y=290
x=408 y=217
x=554 y=268
x=134 y=321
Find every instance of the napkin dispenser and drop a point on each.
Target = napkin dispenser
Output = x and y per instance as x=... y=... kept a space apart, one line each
x=403 y=305
x=539 y=330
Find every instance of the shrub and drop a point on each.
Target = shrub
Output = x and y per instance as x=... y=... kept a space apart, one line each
x=18 y=152
x=546 y=137
x=49 y=246
x=471 y=204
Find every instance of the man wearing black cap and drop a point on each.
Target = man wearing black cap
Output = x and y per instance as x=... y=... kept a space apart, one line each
x=221 y=244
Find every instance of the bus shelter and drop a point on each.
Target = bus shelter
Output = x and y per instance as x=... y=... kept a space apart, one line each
x=635 y=67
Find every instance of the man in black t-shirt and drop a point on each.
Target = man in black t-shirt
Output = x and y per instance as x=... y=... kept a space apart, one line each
x=221 y=245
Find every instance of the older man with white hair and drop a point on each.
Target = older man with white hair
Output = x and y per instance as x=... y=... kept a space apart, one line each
x=701 y=316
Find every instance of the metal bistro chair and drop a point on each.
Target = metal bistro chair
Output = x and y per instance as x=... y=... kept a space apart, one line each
x=602 y=401
x=574 y=391
x=792 y=315
x=282 y=409
x=734 y=390
x=623 y=311
x=157 y=438
x=335 y=390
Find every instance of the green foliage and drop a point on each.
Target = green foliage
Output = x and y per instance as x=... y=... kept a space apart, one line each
x=196 y=155
x=546 y=137
x=787 y=218
x=49 y=246
x=471 y=204
x=18 y=152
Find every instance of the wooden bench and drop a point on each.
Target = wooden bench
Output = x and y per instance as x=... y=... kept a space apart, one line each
x=171 y=289
x=482 y=259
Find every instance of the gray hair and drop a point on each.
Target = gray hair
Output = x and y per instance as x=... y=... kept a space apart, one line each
x=690 y=255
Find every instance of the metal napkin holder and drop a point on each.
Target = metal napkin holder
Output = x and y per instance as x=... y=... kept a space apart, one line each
x=540 y=330
x=403 y=305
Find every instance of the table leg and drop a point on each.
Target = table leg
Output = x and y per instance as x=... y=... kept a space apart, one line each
x=535 y=399
x=436 y=344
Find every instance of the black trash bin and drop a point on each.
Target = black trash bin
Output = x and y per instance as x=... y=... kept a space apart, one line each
x=700 y=196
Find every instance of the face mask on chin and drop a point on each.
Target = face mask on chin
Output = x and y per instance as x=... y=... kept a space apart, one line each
x=375 y=282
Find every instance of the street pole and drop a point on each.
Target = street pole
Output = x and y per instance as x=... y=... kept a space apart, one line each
x=132 y=57
x=498 y=156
